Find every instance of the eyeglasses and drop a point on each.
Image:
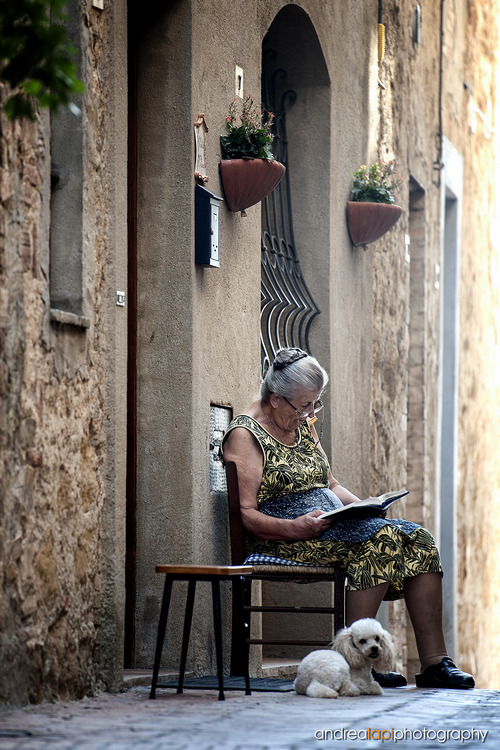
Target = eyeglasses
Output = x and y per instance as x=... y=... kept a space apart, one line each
x=316 y=407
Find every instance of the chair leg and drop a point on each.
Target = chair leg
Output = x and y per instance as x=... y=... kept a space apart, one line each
x=188 y=618
x=162 y=626
x=218 y=635
x=240 y=649
x=237 y=628
x=339 y=600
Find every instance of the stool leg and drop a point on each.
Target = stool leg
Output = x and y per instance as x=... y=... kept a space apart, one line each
x=162 y=626
x=188 y=618
x=218 y=635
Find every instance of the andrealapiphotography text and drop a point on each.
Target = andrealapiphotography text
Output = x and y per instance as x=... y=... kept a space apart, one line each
x=391 y=734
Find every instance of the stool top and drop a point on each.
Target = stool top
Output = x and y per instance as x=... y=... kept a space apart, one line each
x=224 y=571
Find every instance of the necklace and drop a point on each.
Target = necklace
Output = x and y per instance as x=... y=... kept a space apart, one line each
x=280 y=429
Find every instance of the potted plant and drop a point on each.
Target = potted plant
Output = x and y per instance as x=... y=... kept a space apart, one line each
x=371 y=212
x=248 y=169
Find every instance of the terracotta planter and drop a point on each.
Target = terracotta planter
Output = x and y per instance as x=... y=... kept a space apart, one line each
x=368 y=222
x=247 y=181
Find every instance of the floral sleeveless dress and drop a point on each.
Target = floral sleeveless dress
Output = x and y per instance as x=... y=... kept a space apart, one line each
x=371 y=550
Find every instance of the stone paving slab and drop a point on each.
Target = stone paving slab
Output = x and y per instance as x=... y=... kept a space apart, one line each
x=402 y=718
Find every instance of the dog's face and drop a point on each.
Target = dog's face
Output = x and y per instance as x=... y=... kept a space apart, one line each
x=365 y=641
x=368 y=645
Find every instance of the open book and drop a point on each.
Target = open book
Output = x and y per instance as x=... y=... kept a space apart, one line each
x=372 y=506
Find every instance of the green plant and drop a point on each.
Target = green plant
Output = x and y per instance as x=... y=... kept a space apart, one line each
x=375 y=184
x=36 y=57
x=252 y=138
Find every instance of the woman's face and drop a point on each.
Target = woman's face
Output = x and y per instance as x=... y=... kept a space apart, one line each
x=297 y=410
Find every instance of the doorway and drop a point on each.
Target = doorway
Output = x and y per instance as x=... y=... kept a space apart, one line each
x=296 y=88
x=451 y=197
x=295 y=242
x=130 y=527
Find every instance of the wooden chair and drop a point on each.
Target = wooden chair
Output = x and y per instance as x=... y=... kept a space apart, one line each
x=242 y=606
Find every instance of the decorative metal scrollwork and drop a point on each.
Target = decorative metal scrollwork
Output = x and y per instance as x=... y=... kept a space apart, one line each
x=287 y=307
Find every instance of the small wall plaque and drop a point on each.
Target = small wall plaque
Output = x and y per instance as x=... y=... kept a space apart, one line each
x=200 y=164
x=220 y=416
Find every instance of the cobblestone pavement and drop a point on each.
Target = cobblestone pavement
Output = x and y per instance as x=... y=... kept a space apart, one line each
x=196 y=720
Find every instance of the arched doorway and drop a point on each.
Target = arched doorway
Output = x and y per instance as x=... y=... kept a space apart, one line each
x=296 y=88
x=295 y=239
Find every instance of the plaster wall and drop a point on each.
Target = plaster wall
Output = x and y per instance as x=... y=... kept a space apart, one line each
x=200 y=345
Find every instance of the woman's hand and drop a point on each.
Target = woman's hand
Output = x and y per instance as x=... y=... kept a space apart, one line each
x=310 y=526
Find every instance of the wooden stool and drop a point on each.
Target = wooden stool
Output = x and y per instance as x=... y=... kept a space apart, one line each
x=192 y=574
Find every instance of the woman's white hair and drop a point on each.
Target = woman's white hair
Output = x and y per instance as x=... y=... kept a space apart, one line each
x=292 y=372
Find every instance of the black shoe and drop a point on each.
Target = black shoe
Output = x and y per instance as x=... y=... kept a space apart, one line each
x=389 y=679
x=445 y=675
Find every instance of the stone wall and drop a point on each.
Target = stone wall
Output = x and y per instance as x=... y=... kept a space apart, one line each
x=406 y=304
x=52 y=448
x=407 y=401
x=59 y=467
x=472 y=118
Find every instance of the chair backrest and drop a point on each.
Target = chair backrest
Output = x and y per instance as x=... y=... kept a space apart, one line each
x=235 y=523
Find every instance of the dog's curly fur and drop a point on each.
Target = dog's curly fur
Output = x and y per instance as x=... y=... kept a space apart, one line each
x=345 y=668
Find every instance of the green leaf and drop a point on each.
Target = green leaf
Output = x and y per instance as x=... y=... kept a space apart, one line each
x=36 y=57
x=17 y=107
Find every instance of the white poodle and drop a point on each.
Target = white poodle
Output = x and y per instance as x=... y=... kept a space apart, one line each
x=345 y=668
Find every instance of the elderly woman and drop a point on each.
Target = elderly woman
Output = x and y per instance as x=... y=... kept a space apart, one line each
x=286 y=484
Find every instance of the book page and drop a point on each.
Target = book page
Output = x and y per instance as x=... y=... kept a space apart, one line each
x=377 y=504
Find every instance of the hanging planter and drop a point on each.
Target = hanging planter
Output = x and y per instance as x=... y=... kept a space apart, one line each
x=248 y=181
x=248 y=169
x=368 y=222
x=372 y=211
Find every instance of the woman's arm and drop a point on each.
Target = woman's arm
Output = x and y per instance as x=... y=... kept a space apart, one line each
x=241 y=447
x=343 y=494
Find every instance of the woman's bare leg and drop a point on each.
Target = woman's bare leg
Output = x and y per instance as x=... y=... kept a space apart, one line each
x=424 y=600
x=364 y=603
